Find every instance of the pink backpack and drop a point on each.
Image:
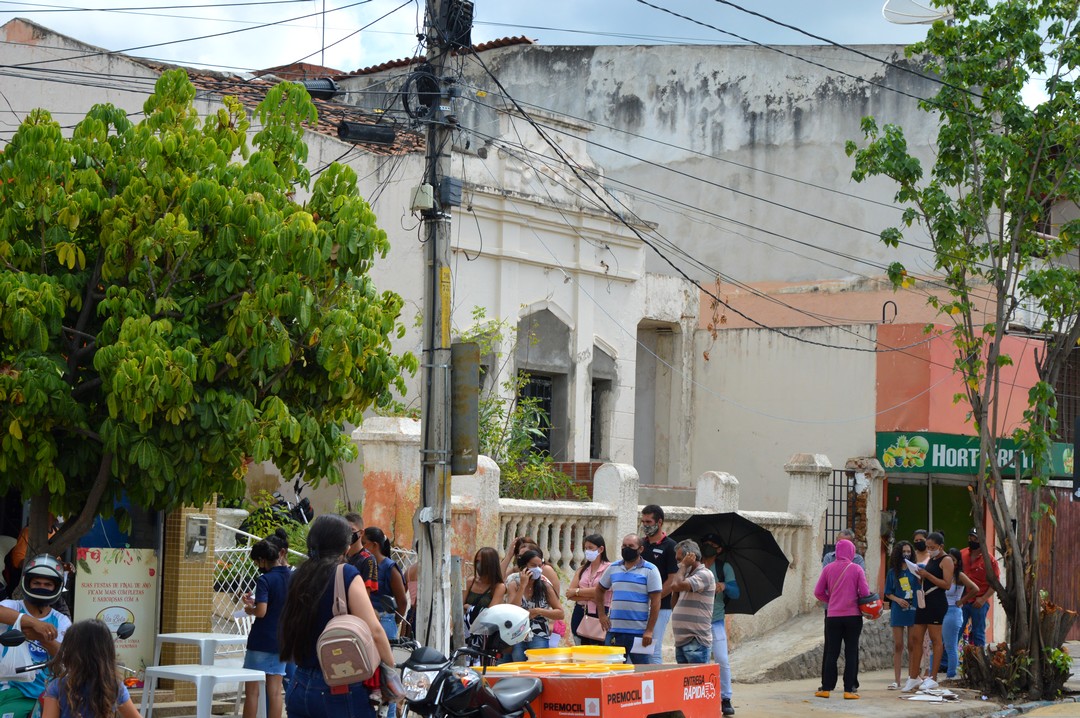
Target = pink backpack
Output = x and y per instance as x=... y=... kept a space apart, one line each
x=346 y=650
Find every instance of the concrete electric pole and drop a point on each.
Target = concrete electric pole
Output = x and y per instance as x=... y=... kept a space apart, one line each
x=449 y=24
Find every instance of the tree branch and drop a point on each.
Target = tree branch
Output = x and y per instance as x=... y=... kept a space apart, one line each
x=75 y=528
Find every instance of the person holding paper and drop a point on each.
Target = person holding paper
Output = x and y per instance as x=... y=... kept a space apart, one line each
x=900 y=586
x=635 y=586
x=931 y=607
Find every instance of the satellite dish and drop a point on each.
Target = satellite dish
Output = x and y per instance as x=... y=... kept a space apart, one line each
x=909 y=12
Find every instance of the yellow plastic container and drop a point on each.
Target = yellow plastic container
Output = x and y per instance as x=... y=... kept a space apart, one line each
x=540 y=667
x=620 y=666
x=548 y=655
x=598 y=653
x=505 y=669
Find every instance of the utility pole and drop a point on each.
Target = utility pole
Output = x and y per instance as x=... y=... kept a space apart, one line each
x=433 y=524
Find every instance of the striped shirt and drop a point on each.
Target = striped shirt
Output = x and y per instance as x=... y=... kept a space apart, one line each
x=630 y=589
x=692 y=617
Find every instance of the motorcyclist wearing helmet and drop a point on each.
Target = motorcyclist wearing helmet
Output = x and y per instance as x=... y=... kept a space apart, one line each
x=42 y=582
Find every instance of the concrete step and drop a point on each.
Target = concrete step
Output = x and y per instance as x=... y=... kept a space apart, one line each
x=793 y=650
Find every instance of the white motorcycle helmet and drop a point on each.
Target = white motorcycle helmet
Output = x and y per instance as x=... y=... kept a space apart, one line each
x=43 y=566
x=510 y=622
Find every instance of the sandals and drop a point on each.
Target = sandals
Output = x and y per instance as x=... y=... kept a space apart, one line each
x=894 y=686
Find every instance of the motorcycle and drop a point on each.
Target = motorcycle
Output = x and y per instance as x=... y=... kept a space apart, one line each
x=436 y=687
x=282 y=511
x=14 y=637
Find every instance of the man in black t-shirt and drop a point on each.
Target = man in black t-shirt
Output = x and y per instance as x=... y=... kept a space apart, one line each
x=660 y=551
x=360 y=558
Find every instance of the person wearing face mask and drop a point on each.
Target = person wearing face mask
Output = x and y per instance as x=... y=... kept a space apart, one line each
x=900 y=587
x=486 y=587
x=42 y=581
x=660 y=552
x=840 y=585
x=635 y=587
x=531 y=590
x=936 y=578
x=272 y=559
x=918 y=540
x=975 y=608
x=583 y=586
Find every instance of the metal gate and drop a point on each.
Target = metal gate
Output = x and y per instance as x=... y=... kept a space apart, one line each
x=839 y=510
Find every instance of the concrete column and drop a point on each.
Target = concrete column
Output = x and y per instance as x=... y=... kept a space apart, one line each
x=808 y=485
x=476 y=517
x=617 y=486
x=390 y=454
x=718 y=491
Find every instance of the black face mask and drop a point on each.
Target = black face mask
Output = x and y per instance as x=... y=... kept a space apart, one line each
x=630 y=555
x=919 y=545
x=974 y=545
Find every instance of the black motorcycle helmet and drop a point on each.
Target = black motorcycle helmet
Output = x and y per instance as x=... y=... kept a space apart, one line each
x=43 y=566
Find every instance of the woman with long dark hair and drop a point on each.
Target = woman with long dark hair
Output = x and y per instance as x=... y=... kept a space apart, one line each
x=962 y=589
x=531 y=590
x=486 y=587
x=391 y=581
x=900 y=587
x=272 y=559
x=583 y=586
x=308 y=608
x=936 y=577
x=86 y=682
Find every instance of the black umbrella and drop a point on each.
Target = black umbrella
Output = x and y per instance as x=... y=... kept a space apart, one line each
x=751 y=551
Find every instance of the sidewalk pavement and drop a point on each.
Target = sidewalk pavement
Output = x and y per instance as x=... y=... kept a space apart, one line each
x=796 y=698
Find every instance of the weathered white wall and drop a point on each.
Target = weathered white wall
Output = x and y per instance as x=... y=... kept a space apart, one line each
x=761 y=396
x=709 y=138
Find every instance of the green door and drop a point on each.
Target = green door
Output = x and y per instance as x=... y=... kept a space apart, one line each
x=951 y=510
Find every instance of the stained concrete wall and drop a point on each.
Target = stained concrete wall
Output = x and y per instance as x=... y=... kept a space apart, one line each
x=763 y=395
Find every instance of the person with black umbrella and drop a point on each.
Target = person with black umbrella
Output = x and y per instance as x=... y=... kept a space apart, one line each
x=727 y=588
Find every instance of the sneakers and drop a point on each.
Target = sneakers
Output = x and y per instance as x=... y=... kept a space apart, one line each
x=928 y=685
x=726 y=708
x=893 y=686
x=851 y=696
x=912 y=684
x=821 y=694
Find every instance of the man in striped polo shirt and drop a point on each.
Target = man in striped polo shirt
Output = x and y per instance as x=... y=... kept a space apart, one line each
x=691 y=621
x=635 y=601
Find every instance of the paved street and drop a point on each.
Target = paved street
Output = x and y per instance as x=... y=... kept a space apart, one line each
x=796 y=698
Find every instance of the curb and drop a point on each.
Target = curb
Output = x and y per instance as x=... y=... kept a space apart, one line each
x=1028 y=707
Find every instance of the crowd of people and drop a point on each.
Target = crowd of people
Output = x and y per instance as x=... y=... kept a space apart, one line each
x=934 y=595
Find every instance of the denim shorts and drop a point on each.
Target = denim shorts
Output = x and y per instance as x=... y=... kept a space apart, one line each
x=269 y=663
x=693 y=651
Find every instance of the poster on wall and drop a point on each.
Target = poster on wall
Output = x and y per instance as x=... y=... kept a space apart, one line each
x=116 y=585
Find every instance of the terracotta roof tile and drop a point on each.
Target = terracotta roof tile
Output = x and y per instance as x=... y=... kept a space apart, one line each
x=406 y=61
x=251 y=91
x=299 y=71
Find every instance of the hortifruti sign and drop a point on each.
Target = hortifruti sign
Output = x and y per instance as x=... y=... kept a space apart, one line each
x=930 y=453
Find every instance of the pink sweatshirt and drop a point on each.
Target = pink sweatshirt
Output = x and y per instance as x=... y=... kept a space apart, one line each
x=841 y=586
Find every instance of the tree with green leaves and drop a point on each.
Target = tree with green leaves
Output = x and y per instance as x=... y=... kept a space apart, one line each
x=170 y=313
x=1000 y=165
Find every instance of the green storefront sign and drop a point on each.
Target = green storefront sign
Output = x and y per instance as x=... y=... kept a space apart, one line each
x=929 y=453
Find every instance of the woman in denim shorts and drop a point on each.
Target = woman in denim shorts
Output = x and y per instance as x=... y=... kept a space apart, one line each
x=270 y=555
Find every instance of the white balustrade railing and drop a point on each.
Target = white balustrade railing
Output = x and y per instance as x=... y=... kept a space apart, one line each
x=558 y=527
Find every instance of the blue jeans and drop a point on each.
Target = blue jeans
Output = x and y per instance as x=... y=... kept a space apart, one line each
x=309 y=697
x=626 y=640
x=692 y=651
x=657 y=656
x=518 y=652
x=977 y=616
x=720 y=655
x=950 y=636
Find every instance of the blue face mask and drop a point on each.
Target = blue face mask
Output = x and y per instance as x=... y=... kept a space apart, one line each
x=535 y=572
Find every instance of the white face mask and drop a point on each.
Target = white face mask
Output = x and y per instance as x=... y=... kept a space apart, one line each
x=591 y=555
x=535 y=572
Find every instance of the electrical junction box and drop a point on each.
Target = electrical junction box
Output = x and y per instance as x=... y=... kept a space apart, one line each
x=450 y=192
x=423 y=198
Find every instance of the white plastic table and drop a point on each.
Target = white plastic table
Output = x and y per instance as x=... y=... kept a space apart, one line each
x=207 y=642
x=204 y=678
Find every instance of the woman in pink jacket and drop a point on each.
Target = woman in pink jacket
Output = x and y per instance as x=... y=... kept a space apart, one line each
x=840 y=586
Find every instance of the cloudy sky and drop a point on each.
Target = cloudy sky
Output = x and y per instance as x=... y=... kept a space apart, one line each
x=248 y=35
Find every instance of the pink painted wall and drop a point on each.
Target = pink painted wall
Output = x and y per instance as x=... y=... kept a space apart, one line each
x=916 y=385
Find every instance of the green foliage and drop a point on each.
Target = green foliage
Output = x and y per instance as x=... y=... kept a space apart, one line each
x=509 y=423
x=999 y=163
x=170 y=313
